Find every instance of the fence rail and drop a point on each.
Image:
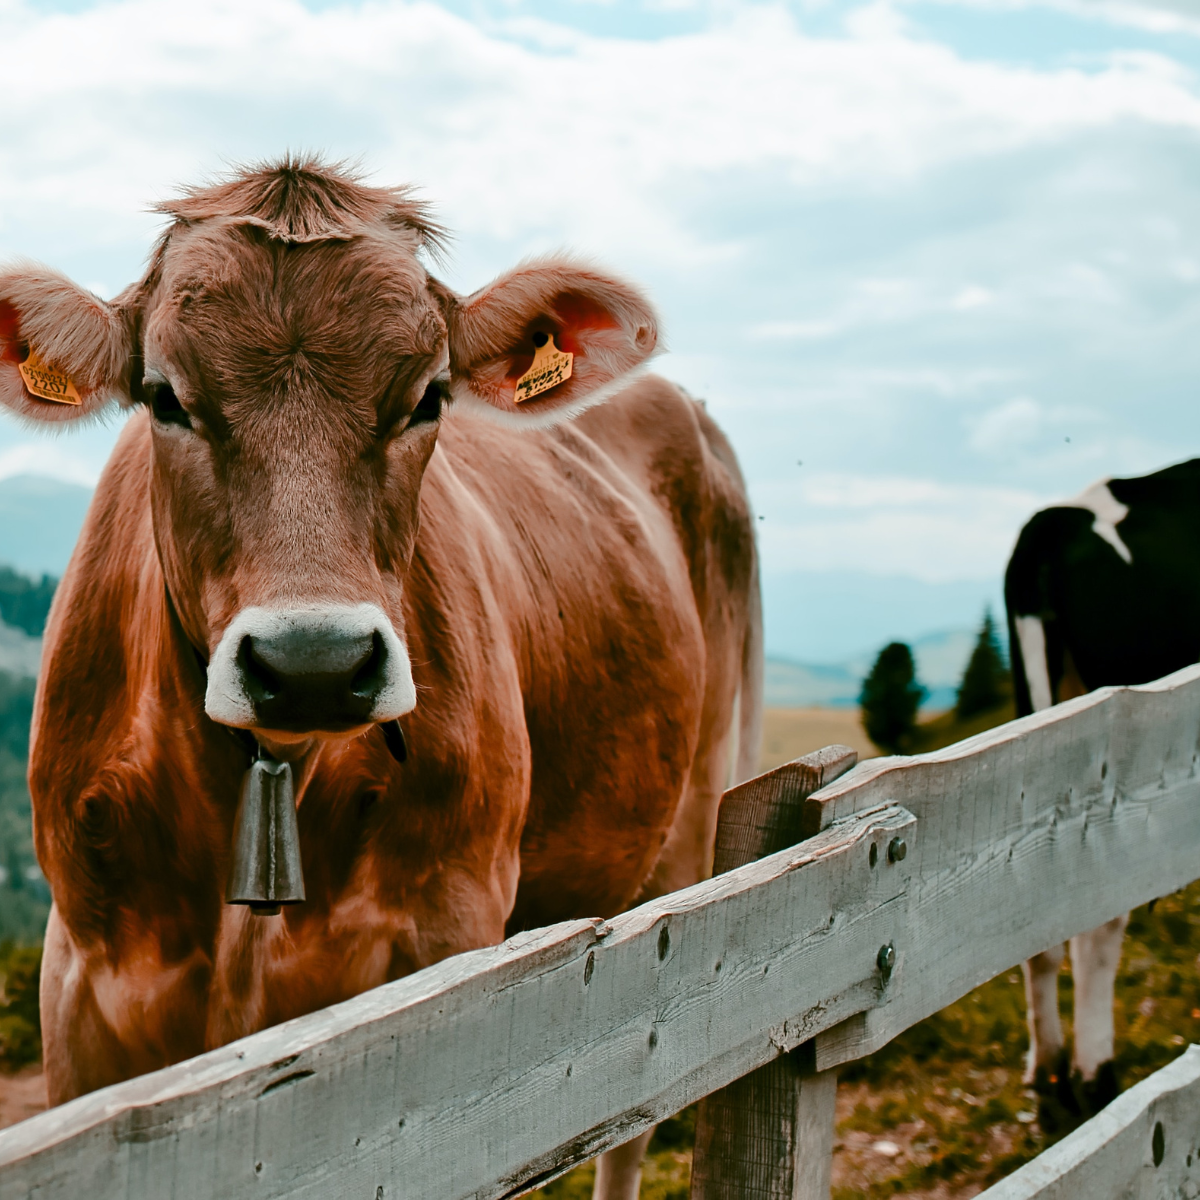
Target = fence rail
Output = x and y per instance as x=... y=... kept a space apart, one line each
x=1145 y=1145
x=499 y=1069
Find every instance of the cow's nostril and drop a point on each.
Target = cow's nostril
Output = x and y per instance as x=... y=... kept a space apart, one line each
x=260 y=681
x=369 y=679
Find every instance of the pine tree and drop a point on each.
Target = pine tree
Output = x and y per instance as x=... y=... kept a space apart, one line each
x=890 y=698
x=985 y=683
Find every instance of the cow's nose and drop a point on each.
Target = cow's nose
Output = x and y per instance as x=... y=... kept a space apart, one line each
x=329 y=668
x=303 y=679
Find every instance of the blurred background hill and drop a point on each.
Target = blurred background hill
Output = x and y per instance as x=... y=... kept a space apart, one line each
x=40 y=519
x=24 y=897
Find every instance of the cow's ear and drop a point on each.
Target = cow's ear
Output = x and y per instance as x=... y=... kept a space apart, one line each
x=546 y=341
x=64 y=353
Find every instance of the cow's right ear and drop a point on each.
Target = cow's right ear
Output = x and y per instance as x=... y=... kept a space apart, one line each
x=64 y=352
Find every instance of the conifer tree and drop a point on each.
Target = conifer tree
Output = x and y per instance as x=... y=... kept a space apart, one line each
x=890 y=698
x=985 y=683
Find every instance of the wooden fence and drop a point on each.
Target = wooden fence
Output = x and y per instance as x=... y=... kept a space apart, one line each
x=916 y=880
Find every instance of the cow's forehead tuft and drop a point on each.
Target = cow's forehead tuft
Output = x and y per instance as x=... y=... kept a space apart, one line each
x=226 y=296
x=304 y=200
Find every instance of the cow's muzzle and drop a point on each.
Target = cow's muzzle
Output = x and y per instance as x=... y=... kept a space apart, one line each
x=309 y=670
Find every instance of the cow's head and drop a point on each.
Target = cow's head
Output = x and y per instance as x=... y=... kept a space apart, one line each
x=295 y=357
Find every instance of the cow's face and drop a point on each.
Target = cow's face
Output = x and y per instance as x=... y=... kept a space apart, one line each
x=295 y=377
x=294 y=394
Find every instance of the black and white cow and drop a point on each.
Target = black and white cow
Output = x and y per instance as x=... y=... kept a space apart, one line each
x=1102 y=589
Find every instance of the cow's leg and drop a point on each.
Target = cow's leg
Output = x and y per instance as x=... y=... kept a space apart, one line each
x=619 y=1172
x=1047 y=1067
x=1041 y=1009
x=1095 y=957
x=80 y=1051
x=686 y=859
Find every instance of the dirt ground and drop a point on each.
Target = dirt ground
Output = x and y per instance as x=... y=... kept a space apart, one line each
x=21 y=1095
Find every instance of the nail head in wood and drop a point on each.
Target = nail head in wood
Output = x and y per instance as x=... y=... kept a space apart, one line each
x=886 y=961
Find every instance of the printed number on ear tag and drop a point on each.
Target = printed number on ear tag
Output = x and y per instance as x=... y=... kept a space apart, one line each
x=46 y=383
x=551 y=366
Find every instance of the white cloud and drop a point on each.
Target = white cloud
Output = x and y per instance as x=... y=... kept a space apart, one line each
x=876 y=302
x=1008 y=426
x=53 y=458
x=972 y=296
x=1155 y=16
x=801 y=331
x=865 y=245
x=920 y=528
x=590 y=138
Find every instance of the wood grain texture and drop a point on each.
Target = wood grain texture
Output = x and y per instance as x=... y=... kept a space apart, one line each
x=1029 y=833
x=766 y=814
x=769 y=1136
x=1117 y=1154
x=496 y=1070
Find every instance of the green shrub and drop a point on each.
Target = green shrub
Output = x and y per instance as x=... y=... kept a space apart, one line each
x=890 y=698
x=25 y=602
x=20 y=1022
x=986 y=683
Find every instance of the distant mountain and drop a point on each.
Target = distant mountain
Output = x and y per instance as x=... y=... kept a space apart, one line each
x=24 y=606
x=40 y=520
x=830 y=616
x=809 y=685
x=20 y=654
x=940 y=659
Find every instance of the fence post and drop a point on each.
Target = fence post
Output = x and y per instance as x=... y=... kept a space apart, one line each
x=769 y=1135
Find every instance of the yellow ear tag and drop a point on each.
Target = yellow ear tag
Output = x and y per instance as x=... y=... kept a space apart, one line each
x=551 y=366
x=46 y=383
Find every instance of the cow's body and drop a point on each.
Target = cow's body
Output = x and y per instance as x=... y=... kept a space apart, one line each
x=577 y=604
x=1101 y=590
x=577 y=649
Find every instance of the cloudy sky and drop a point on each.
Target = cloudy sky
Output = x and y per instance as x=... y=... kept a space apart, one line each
x=933 y=263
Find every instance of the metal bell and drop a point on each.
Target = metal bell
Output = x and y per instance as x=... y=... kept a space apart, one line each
x=266 y=870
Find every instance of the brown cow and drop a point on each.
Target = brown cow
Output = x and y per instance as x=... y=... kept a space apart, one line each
x=327 y=512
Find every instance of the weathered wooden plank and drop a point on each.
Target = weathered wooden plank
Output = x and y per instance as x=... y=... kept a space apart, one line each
x=766 y=814
x=769 y=1136
x=1145 y=1145
x=1030 y=833
x=489 y=1072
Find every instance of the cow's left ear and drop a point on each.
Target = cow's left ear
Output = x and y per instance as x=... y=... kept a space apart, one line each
x=64 y=352
x=509 y=342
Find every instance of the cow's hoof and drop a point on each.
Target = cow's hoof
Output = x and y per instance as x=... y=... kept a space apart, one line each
x=1098 y=1093
x=1058 y=1110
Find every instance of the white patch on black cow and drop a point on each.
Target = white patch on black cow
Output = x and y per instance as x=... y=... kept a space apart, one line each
x=1109 y=513
x=1031 y=635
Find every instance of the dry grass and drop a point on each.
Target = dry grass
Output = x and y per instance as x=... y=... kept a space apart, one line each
x=790 y=732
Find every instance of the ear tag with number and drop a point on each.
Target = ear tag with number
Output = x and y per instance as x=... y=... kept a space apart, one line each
x=551 y=366
x=47 y=383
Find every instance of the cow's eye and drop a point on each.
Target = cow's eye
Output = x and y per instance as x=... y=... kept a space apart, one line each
x=430 y=406
x=165 y=406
